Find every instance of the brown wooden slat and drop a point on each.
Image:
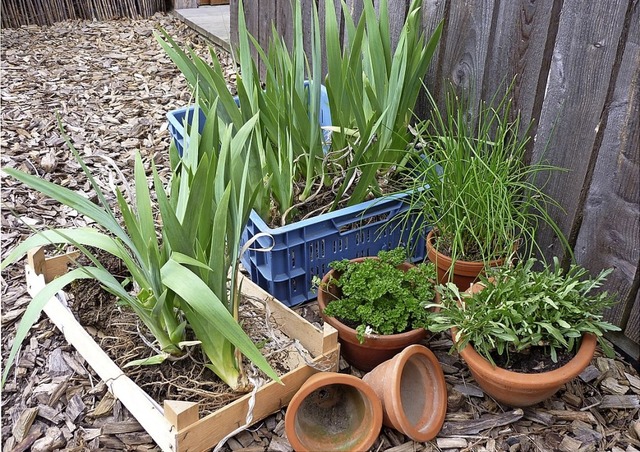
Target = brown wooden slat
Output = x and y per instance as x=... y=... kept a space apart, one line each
x=610 y=231
x=433 y=12
x=465 y=49
x=580 y=73
x=517 y=49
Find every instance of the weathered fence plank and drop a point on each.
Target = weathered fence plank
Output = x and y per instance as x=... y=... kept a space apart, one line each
x=609 y=235
x=464 y=49
x=520 y=34
x=583 y=57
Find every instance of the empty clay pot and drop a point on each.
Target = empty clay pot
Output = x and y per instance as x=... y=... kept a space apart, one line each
x=413 y=392
x=333 y=412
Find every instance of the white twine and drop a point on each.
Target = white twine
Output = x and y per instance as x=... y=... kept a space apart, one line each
x=257 y=383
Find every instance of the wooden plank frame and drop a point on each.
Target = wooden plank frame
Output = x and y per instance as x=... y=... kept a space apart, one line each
x=177 y=427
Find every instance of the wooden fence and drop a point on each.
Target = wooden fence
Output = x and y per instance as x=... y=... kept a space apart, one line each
x=577 y=69
x=46 y=12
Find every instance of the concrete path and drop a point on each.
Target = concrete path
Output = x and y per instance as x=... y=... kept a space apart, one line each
x=210 y=21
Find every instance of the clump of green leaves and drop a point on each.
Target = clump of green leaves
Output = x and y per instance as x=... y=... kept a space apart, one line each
x=520 y=308
x=379 y=297
x=184 y=274
x=483 y=195
x=371 y=92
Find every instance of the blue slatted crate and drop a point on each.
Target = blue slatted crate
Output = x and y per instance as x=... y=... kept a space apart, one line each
x=304 y=249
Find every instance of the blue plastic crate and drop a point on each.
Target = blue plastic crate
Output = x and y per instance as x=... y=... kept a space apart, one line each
x=177 y=120
x=304 y=249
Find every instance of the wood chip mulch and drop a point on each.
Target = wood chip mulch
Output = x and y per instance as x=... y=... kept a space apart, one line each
x=112 y=85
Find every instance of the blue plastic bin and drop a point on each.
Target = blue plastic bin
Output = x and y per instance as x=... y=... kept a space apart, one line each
x=304 y=249
x=177 y=120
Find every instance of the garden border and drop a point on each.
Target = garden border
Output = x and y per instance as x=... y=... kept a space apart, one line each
x=177 y=426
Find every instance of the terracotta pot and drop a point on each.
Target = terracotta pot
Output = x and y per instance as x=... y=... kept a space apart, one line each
x=413 y=391
x=465 y=273
x=333 y=412
x=524 y=389
x=376 y=348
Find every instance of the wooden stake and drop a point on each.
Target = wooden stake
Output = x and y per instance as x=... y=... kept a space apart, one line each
x=180 y=414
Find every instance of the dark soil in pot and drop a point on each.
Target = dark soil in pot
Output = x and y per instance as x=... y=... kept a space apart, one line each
x=535 y=360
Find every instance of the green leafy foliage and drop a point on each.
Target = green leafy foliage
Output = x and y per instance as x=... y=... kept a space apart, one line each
x=371 y=92
x=379 y=297
x=519 y=308
x=484 y=199
x=186 y=280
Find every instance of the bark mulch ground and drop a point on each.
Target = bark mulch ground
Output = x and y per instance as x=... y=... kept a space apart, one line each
x=111 y=85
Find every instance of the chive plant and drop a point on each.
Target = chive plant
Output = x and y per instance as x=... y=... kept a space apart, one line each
x=482 y=200
x=185 y=275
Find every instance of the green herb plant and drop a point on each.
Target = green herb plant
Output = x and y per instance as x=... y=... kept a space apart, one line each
x=185 y=277
x=482 y=201
x=380 y=298
x=520 y=308
x=371 y=93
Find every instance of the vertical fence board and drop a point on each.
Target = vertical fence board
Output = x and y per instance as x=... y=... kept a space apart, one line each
x=233 y=23
x=610 y=231
x=580 y=73
x=632 y=331
x=433 y=12
x=284 y=21
x=517 y=50
x=465 y=47
x=397 y=13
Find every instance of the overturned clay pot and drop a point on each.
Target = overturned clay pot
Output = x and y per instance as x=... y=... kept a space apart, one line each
x=333 y=412
x=413 y=392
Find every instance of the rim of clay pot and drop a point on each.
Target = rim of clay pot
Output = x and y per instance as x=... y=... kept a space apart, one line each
x=551 y=378
x=432 y=416
x=349 y=334
x=461 y=267
x=562 y=374
x=366 y=433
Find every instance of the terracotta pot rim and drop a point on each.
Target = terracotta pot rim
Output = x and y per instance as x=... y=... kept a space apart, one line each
x=461 y=265
x=441 y=402
x=565 y=373
x=350 y=333
x=315 y=382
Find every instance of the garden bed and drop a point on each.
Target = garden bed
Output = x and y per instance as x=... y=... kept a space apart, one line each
x=177 y=426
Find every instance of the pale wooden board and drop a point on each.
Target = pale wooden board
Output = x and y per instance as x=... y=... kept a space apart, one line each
x=583 y=58
x=610 y=230
x=271 y=397
x=139 y=404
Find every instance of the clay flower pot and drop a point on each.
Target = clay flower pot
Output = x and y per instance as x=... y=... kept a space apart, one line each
x=521 y=389
x=413 y=392
x=465 y=273
x=376 y=348
x=333 y=412
x=524 y=389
